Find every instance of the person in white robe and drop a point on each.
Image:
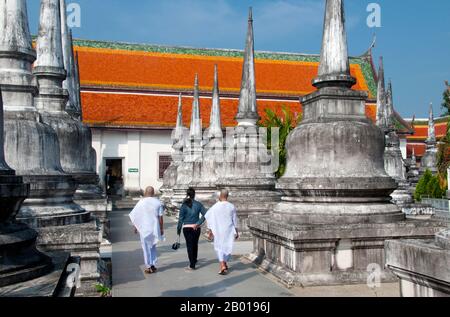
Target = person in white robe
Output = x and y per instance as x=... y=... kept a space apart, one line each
x=147 y=219
x=222 y=222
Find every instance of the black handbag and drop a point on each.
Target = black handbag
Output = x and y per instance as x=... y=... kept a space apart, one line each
x=176 y=245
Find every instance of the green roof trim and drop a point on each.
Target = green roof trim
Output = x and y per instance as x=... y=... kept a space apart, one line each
x=363 y=62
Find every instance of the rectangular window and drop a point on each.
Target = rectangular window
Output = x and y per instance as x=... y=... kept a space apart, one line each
x=164 y=162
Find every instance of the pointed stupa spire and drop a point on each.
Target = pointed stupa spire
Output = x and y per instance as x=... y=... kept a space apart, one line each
x=49 y=42
x=215 y=123
x=431 y=129
x=381 y=98
x=4 y=168
x=49 y=66
x=334 y=69
x=179 y=128
x=67 y=45
x=196 y=123
x=14 y=29
x=390 y=112
x=16 y=56
x=248 y=110
x=76 y=72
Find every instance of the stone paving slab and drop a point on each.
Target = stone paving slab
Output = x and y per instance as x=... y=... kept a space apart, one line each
x=172 y=280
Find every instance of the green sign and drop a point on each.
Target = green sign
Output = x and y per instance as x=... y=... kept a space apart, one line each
x=133 y=170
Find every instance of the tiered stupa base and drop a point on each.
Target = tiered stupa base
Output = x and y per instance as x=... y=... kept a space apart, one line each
x=63 y=225
x=421 y=265
x=329 y=254
x=24 y=271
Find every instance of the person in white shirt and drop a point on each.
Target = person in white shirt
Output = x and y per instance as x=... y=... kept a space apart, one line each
x=147 y=218
x=222 y=222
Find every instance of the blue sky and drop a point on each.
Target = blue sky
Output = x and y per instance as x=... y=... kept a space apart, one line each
x=414 y=38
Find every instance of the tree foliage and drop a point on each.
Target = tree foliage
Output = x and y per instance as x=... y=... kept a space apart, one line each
x=446 y=102
x=443 y=157
x=287 y=122
x=429 y=186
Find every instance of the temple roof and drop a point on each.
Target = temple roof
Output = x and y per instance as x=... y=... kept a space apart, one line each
x=417 y=140
x=127 y=84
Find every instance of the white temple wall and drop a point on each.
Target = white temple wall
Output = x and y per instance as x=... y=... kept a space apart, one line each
x=403 y=143
x=139 y=151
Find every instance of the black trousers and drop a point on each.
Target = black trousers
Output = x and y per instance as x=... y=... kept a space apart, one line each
x=192 y=236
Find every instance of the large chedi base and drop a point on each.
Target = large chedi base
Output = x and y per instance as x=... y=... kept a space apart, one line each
x=421 y=265
x=63 y=225
x=81 y=240
x=19 y=259
x=25 y=271
x=329 y=254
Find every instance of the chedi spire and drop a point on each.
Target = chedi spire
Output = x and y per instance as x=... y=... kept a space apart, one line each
x=334 y=69
x=49 y=66
x=179 y=129
x=16 y=56
x=431 y=129
x=67 y=45
x=381 y=98
x=196 y=122
x=215 y=125
x=248 y=110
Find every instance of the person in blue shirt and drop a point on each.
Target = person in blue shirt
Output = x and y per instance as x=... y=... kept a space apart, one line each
x=192 y=216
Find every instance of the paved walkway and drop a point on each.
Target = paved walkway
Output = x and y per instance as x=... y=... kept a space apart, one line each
x=172 y=280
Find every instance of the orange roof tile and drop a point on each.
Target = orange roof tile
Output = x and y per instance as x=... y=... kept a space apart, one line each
x=152 y=74
x=103 y=67
x=116 y=109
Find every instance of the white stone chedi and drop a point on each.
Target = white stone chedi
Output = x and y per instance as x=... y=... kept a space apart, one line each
x=335 y=212
x=247 y=171
x=42 y=140
x=429 y=160
x=393 y=159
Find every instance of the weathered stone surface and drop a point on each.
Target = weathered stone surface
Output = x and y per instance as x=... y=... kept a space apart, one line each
x=51 y=285
x=39 y=136
x=422 y=266
x=393 y=158
x=247 y=110
x=208 y=170
x=171 y=174
x=20 y=261
x=330 y=254
x=16 y=56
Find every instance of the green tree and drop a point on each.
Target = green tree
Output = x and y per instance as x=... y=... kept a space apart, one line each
x=443 y=158
x=446 y=102
x=287 y=122
x=434 y=188
x=422 y=185
x=429 y=186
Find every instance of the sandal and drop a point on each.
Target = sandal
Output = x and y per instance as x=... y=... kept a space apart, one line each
x=224 y=271
x=149 y=271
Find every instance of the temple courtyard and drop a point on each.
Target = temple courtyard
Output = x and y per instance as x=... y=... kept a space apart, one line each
x=171 y=280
